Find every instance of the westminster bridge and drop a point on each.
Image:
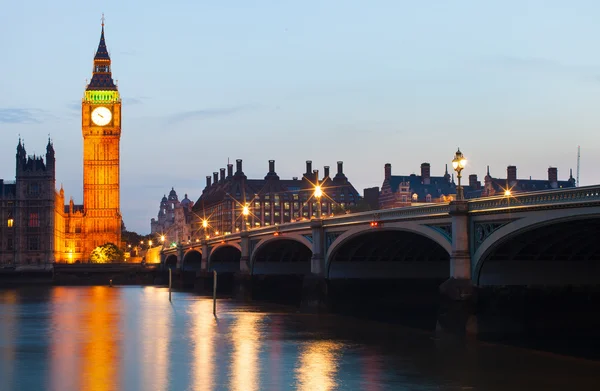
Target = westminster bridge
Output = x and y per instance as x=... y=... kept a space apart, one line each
x=543 y=238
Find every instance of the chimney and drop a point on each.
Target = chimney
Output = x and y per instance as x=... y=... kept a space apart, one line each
x=215 y=177
x=229 y=170
x=325 y=171
x=222 y=175
x=473 y=181
x=511 y=175
x=308 y=167
x=238 y=167
x=553 y=177
x=271 y=166
x=315 y=176
x=340 y=168
x=208 y=181
x=426 y=173
x=387 y=171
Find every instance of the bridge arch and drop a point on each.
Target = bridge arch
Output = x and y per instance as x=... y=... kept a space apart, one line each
x=398 y=250
x=192 y=260
x=171 y=261
x=285 y=254
x=560 y=247
x=225 y=257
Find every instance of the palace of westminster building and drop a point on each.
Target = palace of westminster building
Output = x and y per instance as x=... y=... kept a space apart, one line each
x=37 y=227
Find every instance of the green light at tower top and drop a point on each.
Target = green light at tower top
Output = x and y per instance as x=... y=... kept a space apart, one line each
x=99 y=96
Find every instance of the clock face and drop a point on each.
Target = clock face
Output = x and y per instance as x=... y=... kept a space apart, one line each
x=101 y=116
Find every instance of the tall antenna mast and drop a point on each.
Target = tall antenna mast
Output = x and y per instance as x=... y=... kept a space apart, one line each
x=578 y=159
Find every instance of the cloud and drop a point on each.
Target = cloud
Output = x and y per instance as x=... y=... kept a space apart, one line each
x=76 y=106
x=20 y=116
x=539 y=64
x=206 y=113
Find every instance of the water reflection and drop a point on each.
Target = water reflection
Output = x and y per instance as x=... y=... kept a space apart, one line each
x=245 y=337
x=155 y=338
x=100 y=350
x=8 y=335
x=85 y=338
x=203 y=332
x=64 y=339
x=318 y=366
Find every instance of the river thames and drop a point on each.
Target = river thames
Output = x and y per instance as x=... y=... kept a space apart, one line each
x=133 y=338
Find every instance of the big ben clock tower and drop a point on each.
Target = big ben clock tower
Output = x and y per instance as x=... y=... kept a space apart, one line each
x=101 y=128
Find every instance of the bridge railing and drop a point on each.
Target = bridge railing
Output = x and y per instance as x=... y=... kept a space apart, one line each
x=537 y=198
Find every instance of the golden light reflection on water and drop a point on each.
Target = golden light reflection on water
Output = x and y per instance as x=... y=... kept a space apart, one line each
x=203 y=335
x=100 y=366
x=318 y=366
x=155 y=339
x=246 y=343
x=8 y=328
x=64 y=343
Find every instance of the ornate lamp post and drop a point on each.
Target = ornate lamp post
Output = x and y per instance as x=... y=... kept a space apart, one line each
x=204 y=227
x=318 y=194
x=459 y=162
x=245 y=213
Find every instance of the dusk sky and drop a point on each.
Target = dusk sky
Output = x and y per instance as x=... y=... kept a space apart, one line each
x=365 y=82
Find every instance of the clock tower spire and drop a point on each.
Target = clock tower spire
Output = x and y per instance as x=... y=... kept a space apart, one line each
x=101 y=129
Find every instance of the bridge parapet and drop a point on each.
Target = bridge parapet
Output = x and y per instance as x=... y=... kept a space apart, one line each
x=537 y=199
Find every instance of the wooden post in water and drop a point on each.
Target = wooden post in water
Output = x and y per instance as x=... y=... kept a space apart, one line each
x=170 y=283
x=215 y=293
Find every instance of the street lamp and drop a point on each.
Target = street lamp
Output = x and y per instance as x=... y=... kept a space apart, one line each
x=245 y=213
x=318 y=194
x=162 y=238
x=459 y=163
x=150 y=243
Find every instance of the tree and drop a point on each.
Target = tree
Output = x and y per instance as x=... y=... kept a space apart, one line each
x=107 y=253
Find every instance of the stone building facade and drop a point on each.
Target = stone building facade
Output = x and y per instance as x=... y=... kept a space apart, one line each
x=27 y=209
x=270 y=200
x=174 y=218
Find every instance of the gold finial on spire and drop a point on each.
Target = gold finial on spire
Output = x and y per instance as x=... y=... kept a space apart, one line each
x=103 y=20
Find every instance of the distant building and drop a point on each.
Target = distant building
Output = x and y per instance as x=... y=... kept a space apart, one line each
x=271 y=200
x=371 y=197
x=404 y=190
x=498 y=186
x=174 y=218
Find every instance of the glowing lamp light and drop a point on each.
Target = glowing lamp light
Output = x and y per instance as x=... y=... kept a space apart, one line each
x=245 y=210
x=318 y=192
x=459 y=162
x=374 y=224
x=162 y=238
x=507 y=192
x=204 y=223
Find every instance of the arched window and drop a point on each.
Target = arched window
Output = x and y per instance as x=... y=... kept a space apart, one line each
x=428 y=198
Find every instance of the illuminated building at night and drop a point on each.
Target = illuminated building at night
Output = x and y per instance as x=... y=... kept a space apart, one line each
x=270 y=200
x=38 y=228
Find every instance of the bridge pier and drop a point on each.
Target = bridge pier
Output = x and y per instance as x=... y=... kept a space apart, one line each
x=242 y=281
x=205 y=254
x=458 y=294
x=314 y=285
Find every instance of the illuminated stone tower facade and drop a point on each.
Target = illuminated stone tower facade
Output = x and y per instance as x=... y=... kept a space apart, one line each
x=101 y=128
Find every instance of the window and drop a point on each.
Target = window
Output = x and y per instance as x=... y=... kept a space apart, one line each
x=9 y=244
x=77 y=228
x=34 y=189
x=10 y=222
x=34 y=219
x=428 y=198
x=34 y=243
